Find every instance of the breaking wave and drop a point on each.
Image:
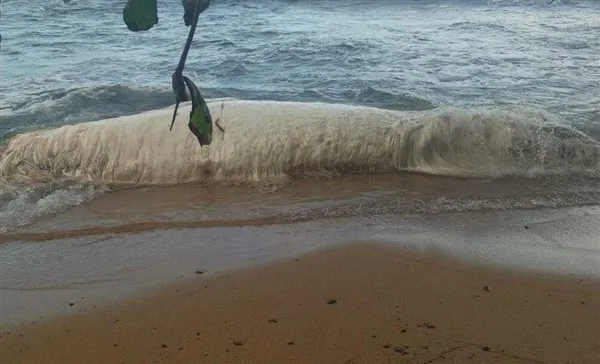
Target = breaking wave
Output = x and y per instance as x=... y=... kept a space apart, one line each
x=52 y=108
x=271 y=141
x=57 y=107
x=20 y=204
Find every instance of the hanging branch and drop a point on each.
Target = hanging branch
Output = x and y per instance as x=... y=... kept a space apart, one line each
x=142 y=15
x=177 y=81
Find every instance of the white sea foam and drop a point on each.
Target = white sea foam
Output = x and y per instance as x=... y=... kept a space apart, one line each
x=267 y=140
x=19 y=205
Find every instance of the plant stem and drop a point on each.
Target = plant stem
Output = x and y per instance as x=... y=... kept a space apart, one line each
x=177 y=78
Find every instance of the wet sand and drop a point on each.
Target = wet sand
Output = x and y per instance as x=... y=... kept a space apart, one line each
x=354 y=303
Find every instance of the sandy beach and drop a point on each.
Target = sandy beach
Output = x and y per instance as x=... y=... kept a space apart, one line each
x=353 y=303
x=389 y=182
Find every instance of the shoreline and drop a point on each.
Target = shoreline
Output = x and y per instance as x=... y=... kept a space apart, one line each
x=151 y=208
x=40 y=279
x=350 y=302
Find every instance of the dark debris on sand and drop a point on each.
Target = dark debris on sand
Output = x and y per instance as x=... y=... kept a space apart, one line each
x=401 y=350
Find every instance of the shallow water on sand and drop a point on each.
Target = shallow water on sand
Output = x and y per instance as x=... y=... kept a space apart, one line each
x=133 y=240
x=190 y=205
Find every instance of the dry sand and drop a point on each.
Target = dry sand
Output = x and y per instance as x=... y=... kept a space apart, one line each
x=351 y=304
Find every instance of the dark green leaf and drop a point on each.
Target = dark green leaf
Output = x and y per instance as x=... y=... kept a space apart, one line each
x=188 y=9
x=140 y=15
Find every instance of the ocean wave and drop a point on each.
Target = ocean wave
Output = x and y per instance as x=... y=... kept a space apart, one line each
x=59 y=106
x=230 y=68
x=266 y=141
x=20 y=204
x=471 y=26
x=377 y=98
